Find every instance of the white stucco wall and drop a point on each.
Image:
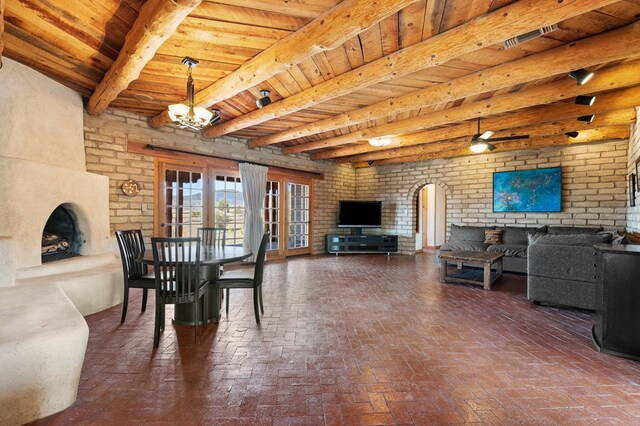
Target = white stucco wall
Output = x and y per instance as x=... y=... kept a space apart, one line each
x=42 y=166
x=41 y=120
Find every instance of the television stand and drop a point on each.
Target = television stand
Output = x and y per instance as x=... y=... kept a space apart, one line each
x=362 y=243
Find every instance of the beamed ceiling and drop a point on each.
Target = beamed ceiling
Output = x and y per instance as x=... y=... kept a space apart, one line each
x=343 y=72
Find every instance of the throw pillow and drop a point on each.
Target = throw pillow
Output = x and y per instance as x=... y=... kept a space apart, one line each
x=493 y=236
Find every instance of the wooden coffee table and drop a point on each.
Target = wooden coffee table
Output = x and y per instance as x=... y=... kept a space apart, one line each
x=484 y=277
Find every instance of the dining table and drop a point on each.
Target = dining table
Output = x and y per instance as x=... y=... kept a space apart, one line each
x=211 y=258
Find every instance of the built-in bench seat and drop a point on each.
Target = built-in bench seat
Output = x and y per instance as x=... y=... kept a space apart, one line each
x=43 y=340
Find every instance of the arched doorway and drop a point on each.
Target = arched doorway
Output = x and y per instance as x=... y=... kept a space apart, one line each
x=431 y=217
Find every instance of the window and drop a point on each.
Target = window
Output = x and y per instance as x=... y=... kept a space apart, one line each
x=229 y=208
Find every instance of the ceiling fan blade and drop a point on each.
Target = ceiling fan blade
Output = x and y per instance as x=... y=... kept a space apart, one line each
x=510 y=138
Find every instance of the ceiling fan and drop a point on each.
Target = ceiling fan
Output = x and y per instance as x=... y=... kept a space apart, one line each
x=479 y=141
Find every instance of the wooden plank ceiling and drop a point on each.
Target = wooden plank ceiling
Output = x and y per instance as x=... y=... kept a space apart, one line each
x=340 y=73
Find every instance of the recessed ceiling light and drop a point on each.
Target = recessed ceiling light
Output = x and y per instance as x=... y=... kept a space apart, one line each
x=143 y=97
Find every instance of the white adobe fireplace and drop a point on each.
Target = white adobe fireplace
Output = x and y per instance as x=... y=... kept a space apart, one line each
x=42 y=168
x=43 y=336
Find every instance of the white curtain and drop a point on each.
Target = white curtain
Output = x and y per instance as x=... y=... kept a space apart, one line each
x=254 y=189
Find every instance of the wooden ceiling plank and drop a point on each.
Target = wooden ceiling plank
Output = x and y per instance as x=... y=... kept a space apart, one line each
x=624 y=75
x=590 y=136
x=584 y=53
x=244 y=15
x=390 y=34
x=303 y=9
x=158 y=19
x=326 y=32
x=483 y=31
x=444 y=139
x=371 y=41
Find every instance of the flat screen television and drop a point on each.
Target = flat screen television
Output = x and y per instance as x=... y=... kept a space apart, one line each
x=360 y=214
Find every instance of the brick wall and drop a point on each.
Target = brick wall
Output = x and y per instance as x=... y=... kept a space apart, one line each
x=633 y=213
x=339 y=184
x=106 y=139
x=594 y=180
x=594 y=188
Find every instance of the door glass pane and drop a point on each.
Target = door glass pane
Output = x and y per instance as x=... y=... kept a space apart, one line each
x=229 y=208
x=298 y=214
x=272 y=214
x=183 y=208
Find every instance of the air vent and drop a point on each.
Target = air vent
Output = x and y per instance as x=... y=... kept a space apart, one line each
x=522 y=38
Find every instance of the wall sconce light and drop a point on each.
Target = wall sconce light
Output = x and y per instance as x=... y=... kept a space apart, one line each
x=581 y=76
x=587 y=118
x=264 y=100
x=585 y=100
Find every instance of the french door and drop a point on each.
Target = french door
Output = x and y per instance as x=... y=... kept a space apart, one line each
x=189 y=196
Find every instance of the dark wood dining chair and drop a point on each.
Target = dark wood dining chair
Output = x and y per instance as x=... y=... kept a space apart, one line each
x=136 y=274
x=248 y=279
x=212 y=236
x=176 y=262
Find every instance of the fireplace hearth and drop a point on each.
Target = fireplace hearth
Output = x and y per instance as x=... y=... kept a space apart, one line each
x=60 y=237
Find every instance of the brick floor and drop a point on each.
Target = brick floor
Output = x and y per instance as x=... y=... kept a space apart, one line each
x=360 y=339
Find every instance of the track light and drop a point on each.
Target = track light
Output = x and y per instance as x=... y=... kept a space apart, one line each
x=585 y=100
x=264 y=100
x=572 y=134
x=587 y=118
x=216 y=117
x=581 y=76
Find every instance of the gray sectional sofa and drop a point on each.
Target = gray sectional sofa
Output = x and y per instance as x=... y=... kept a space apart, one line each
x=559 y=260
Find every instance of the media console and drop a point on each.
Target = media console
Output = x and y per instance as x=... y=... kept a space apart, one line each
x=362 y=244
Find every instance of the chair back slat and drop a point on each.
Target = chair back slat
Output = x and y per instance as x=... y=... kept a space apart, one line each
x=131 y=245
x=213 y=236
x=260 y=258
x=177 y=268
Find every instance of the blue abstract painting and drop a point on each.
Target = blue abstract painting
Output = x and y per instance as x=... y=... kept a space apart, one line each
x=538 y=190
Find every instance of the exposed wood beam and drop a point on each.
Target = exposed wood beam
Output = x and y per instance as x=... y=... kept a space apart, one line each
x=598 y=49
x=614 y=77
x=453 y=137
x=326 y=32
x=1 y=30
x=589 y=136
x=156 y=22
x=511 y=20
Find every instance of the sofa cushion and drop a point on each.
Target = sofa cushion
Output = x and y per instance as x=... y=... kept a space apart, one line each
x=464 y=246
x=468 y=233
x=568 y=239
x=493 y=236
x=571 y=230
x=616 y=237
x=517 y=235
x=511 y=250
